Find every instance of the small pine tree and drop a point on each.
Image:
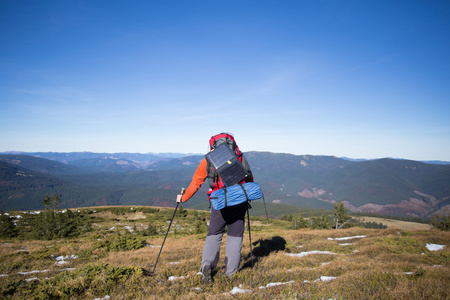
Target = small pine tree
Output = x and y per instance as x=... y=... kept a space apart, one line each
x=314 y=221
x=324 y=221
x=441 y=222
x=341 y=215
x=7 y=228
x=298 y=220
x=150 y=230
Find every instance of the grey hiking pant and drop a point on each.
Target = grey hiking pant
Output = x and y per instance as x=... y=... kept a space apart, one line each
x=233 y=218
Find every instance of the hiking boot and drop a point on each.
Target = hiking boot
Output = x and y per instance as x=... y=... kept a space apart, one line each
x=206 y=272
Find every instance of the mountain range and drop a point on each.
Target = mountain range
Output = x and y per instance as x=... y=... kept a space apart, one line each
x=384 y=186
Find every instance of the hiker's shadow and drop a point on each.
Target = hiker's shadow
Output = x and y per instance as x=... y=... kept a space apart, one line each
x=265 y=247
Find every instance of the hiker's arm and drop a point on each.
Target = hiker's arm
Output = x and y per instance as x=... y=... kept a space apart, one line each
x=197 y=180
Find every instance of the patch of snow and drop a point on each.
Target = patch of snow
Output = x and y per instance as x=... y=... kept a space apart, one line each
x=174 y=263
x=238 y=290
x=104 y=298
x=345 y=244
x=347 y=238
x=272 y=284
x=62 y=259
x=31 y=272
x=31 y=279
x=299 y=246
x=435 y=247
x=172 y=278
x=130 y=229
x=151 y=246
x=4 y=275
x=326 y=278
x=302 y=254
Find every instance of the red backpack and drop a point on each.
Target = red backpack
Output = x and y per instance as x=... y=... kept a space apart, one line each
x=214 y=180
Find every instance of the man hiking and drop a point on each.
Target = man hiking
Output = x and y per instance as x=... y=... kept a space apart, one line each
x=232 y=217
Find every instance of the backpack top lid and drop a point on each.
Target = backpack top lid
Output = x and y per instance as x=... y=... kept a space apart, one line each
x=221 y=138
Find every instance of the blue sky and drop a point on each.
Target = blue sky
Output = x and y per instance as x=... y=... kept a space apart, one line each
x=361 y=79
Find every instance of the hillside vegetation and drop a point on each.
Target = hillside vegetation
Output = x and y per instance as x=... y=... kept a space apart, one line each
x=385 y=186
x=108 y=261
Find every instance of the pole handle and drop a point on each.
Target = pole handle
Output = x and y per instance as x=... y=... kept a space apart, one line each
x=182 y=191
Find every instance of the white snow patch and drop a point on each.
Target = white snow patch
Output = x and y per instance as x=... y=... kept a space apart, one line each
x=62 y=259
x=31 y=279
x=238 y=290
x=174 y=263
x=4 y=275
x=104 y=298
x=435 y=247
x=347 y=238
x=172 y=278
x=322 y=278
x=345 y=244
x=272 y=284
x=152 y=246
x=326 y=278
x=302 y=254
x=31 y=272
x=130 y=229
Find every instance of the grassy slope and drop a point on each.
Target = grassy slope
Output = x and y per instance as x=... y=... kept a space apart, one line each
x=373 y=267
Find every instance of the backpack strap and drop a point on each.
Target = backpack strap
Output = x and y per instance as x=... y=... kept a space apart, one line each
x=245 y=192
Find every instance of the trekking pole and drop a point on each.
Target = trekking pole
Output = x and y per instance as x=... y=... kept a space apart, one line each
x=250 y=234
x=182 y=192
x=265 y=208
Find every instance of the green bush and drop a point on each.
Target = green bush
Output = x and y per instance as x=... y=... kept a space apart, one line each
x=100 y=279
x=124 y=242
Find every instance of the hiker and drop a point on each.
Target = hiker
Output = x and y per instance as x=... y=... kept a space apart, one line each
x=233 y=217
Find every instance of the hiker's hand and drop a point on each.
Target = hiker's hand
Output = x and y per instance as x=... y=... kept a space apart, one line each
x=179 y=198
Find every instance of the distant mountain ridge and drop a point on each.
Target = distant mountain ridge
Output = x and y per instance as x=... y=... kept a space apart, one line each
x=389 y=186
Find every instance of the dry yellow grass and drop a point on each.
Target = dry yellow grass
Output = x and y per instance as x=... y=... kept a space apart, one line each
x=373 y=264
x=398 y=224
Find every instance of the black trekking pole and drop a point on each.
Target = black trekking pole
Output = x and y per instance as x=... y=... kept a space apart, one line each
x=267 y=216
x=173 y=216
x=250 y=234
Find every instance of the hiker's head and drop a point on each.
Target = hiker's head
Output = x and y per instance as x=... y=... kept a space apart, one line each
x=221 y=138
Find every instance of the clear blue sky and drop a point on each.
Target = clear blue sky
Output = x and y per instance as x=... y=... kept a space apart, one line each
x=361 y=79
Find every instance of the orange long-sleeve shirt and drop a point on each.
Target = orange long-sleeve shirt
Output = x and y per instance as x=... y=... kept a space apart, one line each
x=197 y=180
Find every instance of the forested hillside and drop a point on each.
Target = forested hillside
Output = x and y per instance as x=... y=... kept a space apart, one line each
x=389 y=186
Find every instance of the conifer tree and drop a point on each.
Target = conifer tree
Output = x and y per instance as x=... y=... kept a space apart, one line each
x=324 y=221
x=7 y=227
x=341 y=215
x=298 y=220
